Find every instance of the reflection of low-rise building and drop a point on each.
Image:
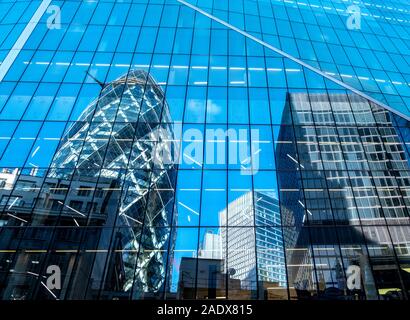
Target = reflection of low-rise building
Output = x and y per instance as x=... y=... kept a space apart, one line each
x=69 y=200
x=204 y=278
x=61 y=203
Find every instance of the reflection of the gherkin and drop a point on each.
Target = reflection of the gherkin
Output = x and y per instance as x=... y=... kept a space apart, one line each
x=104 y=173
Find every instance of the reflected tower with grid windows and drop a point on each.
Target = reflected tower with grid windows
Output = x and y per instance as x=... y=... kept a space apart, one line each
x=255 y=256
x=346 y=191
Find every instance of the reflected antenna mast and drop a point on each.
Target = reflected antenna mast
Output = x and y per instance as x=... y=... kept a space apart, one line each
x=102 y=84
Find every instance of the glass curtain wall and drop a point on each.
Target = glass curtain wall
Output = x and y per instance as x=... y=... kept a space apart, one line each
x=148 y=151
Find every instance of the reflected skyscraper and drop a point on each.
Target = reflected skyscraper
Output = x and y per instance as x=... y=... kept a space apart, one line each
x=346 y=190
x=128 y=126
x=211 y=247
x=253 y=253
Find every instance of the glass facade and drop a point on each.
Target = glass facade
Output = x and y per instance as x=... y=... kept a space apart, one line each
x=230 y=149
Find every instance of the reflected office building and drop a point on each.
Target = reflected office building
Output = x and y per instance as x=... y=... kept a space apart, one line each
x=347 y=200
x=255 y=256
x=106 y=201
x=233 y=259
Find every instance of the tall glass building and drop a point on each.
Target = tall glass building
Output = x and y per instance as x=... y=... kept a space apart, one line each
x=199 y=149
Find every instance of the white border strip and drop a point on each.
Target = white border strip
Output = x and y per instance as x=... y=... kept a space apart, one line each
x=307 y=66
x=22 y=39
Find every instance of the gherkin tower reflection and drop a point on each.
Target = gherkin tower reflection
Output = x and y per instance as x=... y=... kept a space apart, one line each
x=109 y=192
x=131 y=111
